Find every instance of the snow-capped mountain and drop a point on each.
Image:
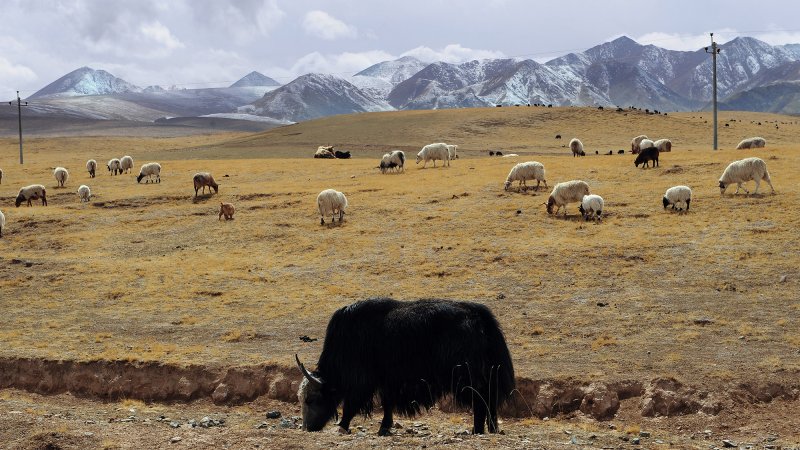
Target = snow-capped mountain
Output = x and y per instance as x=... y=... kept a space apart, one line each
x=255 y=79
x=379 y=79
x=314 y=95
x=85 y=81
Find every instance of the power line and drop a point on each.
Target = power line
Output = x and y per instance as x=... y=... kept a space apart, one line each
x=714 y=52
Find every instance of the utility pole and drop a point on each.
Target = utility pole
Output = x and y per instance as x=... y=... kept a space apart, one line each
x=714 y=52
x=20 y=104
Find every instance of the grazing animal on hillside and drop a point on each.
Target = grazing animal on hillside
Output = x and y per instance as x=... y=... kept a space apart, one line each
x=645 y=156
x=558 y=136
x=202 y=180
x=91 y=167
x=753 y=142
x=126 y=164
x=227 y=210
x=395 y=159
x=636 y=143
x=498 y=153
x=663 y=145
x=410 y=354
x=342 y=155
x=591 y=207
x=742 y=171
x=679 y=197
x=84 y=193
x=114 y=166
x=2 y=223
x=566 y=193
x=432 y=152
x=149 y=170
x=61 y=175
x=331 y=203
x=1 y=176
x=577 y=147
x=325 y=151
x=531 y=170
x=32 y=192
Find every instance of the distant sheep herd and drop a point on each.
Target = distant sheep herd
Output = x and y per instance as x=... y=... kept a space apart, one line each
x=332 y=203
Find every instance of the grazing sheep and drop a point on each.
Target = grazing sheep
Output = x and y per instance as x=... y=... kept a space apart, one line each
x=645 y=156
x=452 y=152
x=565 y=193
x=331 y=202
x=753 y=142
x=591 y=207
x=498 y=153
x=325 y=152
x=114 y=166
x=679 y=197
x=646 y=143
x=203 y=180
x=744 y=170
x=636 y=143
x=125 y=164
x=491 y=153
x=531 y=170
x=2 y=223
x=61 y=175
x=395 y=159
x=342 y=155
x=663 y=145
x=91 y=166
x=577 y=147
x=84 y=193
x=227 y=210
x=432 y=152
x=32 y=192
x=620 y=152
x=510 y=155
x=148 y=170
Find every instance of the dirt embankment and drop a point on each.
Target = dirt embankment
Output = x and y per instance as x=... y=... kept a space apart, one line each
x=158 y=382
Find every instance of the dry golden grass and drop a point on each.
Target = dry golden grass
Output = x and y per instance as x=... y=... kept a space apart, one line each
x=144 y=272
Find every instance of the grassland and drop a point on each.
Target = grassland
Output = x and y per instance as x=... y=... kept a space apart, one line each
x=146 y=272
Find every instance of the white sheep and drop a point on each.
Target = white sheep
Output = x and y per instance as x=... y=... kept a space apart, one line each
x=591 y=207
x=522 y=172
x=577 y=147
x=566 y=193
x=330 y=202
x=91 y=167
x=395 y=159
x=636 y=143
x=679 y=197
x=663 y=145
x=742 y=171
x=646 y=143
x=126 y=164
x=753 y=142
x=32 y=192
x=452 y=151
x=84 y=193
x=432 y=152
x=61 y=175
x=509 y=155
x=114 y=166
x=2 y=223
x=148 y=170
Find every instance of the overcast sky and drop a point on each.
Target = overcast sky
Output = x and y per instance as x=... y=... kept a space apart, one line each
x=208 y=43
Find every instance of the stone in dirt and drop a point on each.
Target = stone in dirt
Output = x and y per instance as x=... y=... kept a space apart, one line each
x=273 y=414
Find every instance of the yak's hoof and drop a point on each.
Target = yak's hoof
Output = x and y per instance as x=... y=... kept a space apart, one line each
x=343 y=431
x=385 y=432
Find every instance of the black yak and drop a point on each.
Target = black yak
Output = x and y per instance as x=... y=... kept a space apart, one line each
x=647 y=155
x=410 y=354
x=342 y=155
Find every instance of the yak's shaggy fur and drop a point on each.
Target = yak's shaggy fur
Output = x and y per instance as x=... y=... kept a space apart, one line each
x=410 y=354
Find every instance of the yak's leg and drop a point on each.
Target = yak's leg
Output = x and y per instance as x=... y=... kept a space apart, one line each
x=479 y=417
x=388 y=421
x=348 y=412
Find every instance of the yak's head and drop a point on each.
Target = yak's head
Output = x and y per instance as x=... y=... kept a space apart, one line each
x=317 y=402
x=139 y=178
x=722 y=187
x=638 y=160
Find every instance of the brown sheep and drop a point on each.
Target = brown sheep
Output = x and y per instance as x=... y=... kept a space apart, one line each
x=227 y=210
x=203 y=179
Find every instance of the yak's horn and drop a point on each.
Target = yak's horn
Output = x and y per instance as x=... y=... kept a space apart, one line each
x=306 y=373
